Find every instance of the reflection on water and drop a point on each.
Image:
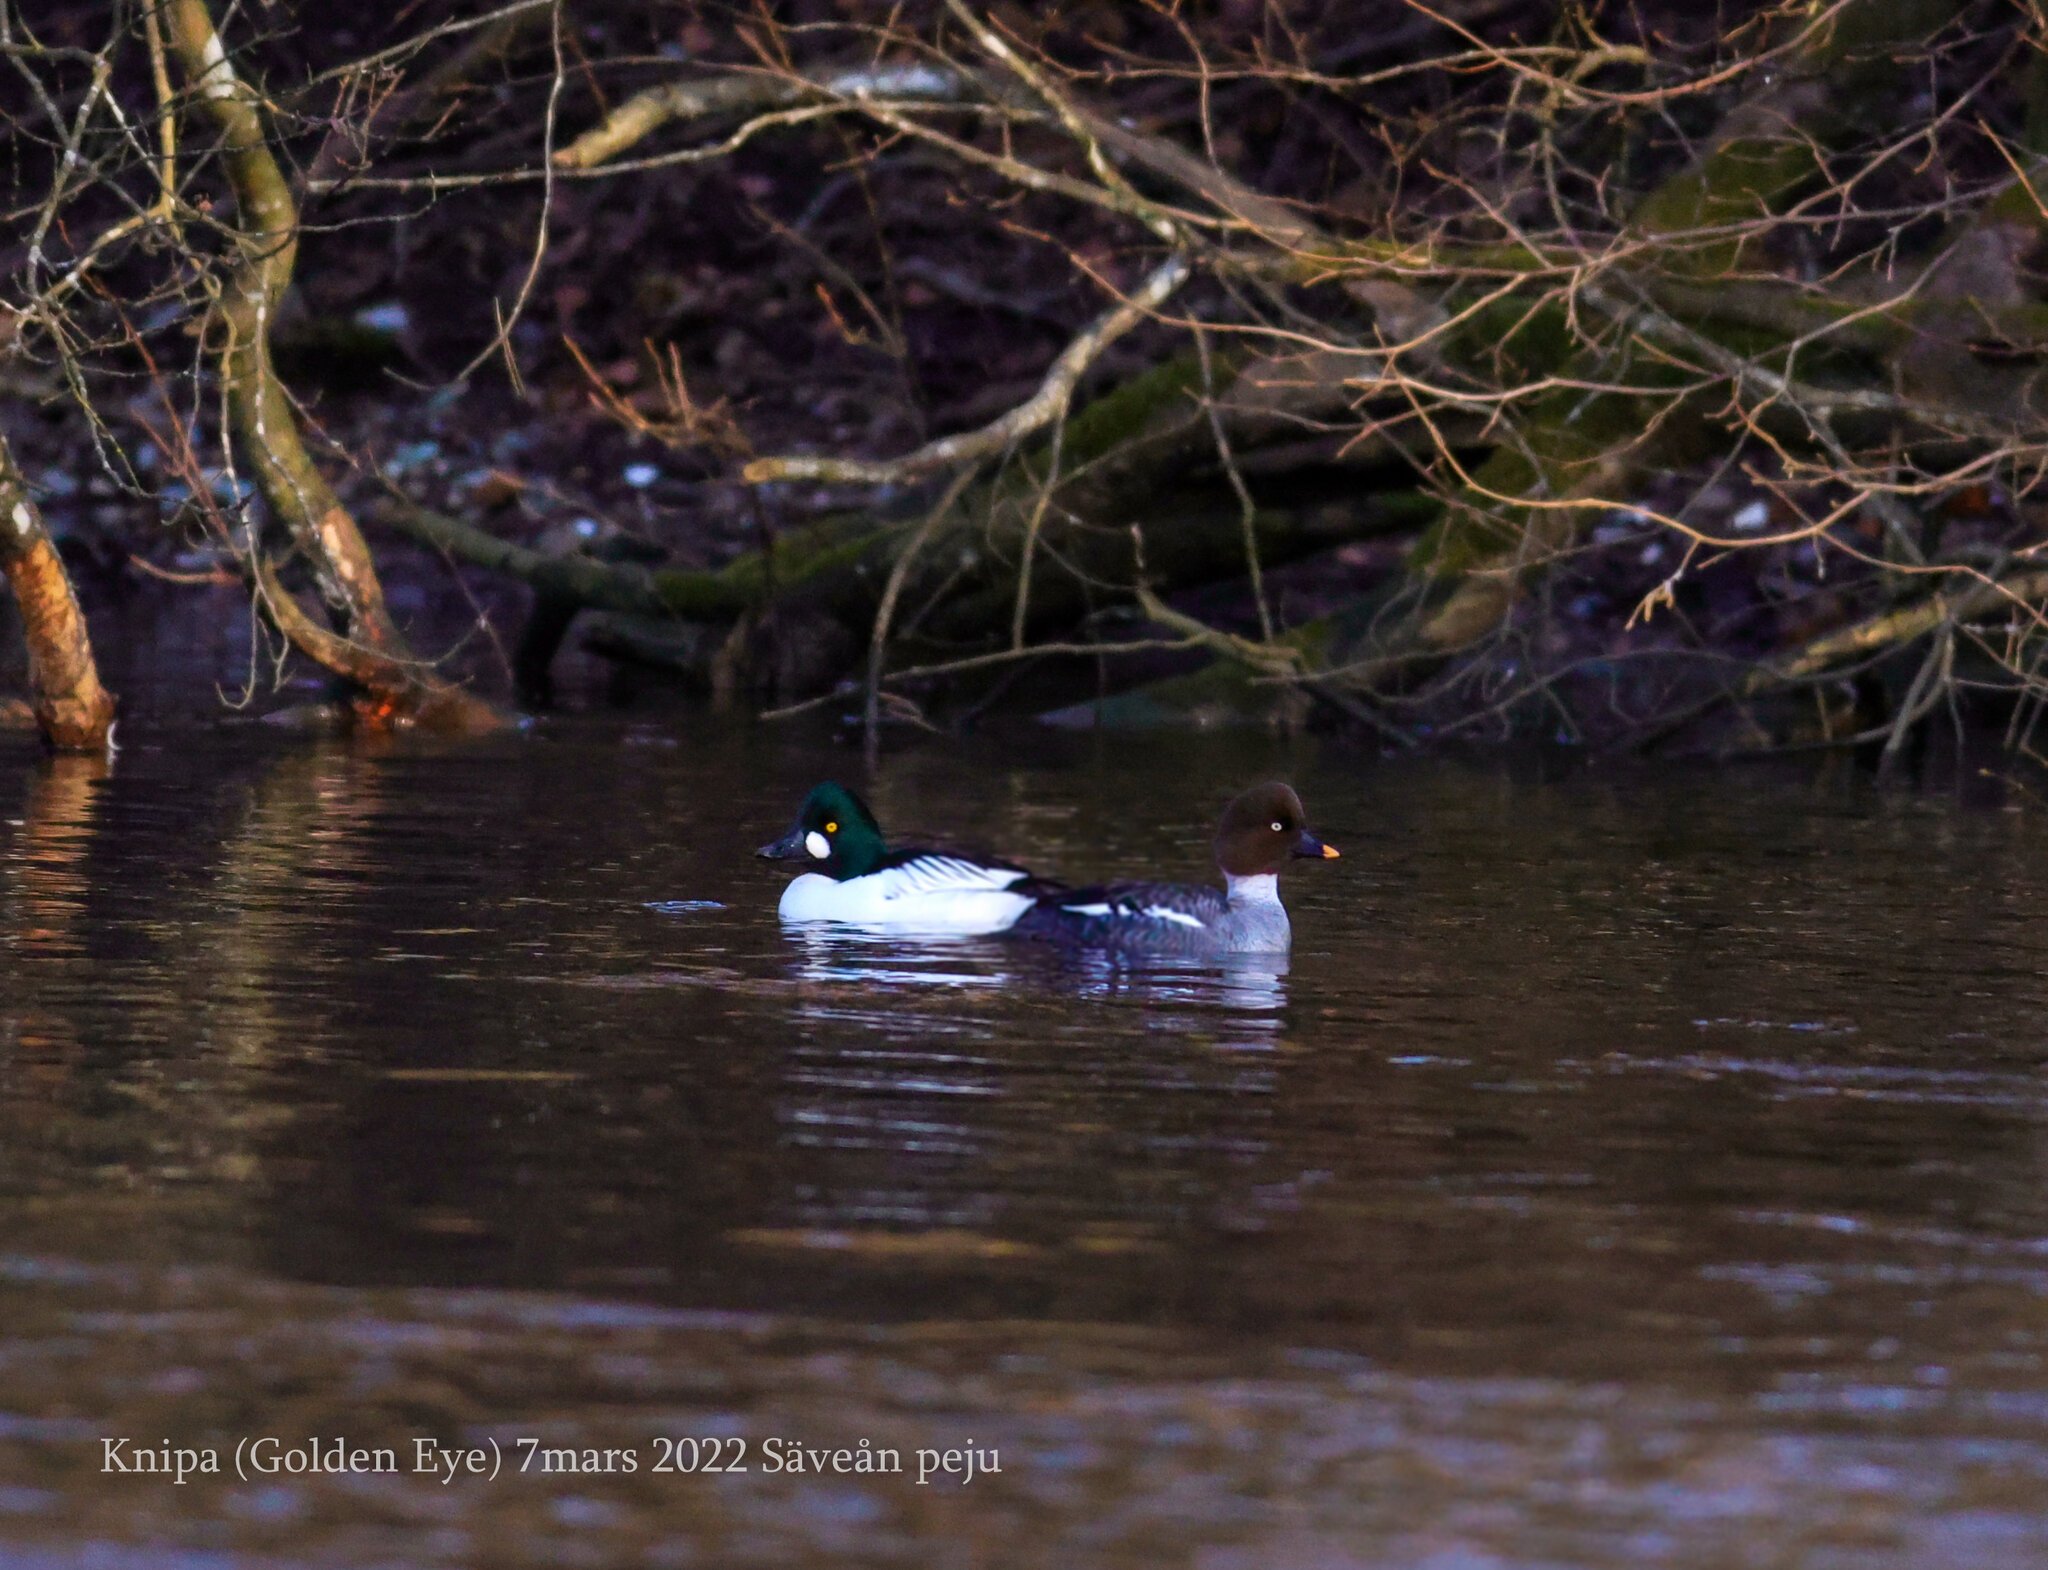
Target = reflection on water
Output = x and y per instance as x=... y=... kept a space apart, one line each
x=1214 y=990
x=45 y=897
x=1620 y=1171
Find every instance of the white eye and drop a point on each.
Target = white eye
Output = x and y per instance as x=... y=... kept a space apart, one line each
x=819 y=846
x=1279 y=828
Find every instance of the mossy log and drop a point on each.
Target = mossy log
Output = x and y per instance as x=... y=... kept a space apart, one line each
x=1139 y=452
x=1689 y=235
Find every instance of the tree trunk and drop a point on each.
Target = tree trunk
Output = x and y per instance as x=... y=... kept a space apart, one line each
x=373 y=654
x=74 y=712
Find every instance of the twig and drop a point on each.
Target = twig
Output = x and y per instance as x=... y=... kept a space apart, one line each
x=1269 y=659
x=1929 y=683
x=885 y=613
x=1043 y=407
x=502 y=338
x=640 y=116
x=1247 y=513
x=1071 y=117
x=1902 y=625
x=975 y=662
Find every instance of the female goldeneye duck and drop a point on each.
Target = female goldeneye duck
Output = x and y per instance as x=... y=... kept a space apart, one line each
x=855 y=878
x=1260 y=833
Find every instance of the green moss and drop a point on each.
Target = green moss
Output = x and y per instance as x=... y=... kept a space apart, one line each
x=1741 y=181
x=1126 y=410
x=1877 y=27
x=1217 y=696
x=1566 y=436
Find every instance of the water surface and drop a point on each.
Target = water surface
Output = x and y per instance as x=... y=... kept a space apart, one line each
x=1624 y=1170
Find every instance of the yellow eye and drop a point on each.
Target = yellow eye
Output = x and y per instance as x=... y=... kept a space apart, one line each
x=831 y=828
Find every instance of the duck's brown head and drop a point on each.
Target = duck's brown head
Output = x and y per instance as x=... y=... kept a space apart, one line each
x=1262 y=830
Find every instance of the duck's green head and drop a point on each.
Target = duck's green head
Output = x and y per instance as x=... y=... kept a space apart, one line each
x=835 y=833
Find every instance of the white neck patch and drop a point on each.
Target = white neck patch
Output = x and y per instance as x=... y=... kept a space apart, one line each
x=1264 y=889
x=819 y=846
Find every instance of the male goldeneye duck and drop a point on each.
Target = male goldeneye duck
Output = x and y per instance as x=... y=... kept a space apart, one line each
x=1260 y=833
x=856 y=878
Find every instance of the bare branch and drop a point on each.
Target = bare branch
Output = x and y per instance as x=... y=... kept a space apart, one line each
x=1041 y=409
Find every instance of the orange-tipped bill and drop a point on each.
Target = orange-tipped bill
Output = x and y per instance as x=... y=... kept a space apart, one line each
x=1314 y=849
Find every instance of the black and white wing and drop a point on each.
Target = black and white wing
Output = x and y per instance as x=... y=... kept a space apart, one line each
x=922 y=874
x=1148 y=917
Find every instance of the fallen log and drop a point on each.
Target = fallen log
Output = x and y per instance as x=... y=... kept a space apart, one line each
x=1139 y=452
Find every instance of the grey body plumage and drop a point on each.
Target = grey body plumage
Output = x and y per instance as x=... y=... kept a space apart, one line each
x=1261 y=831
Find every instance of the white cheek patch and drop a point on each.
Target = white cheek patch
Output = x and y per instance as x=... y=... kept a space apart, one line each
x=817 y=845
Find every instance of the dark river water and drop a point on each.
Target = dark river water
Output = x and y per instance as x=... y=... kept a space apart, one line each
x=1626 y=1170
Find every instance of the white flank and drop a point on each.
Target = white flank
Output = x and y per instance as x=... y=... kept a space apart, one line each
x=933 y=894
x=1162 y=913
x=1086 y=910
